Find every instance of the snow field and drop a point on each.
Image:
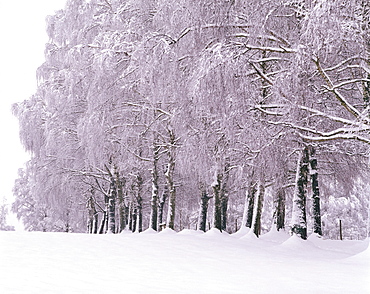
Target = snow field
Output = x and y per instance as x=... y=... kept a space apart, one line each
x=184 y=262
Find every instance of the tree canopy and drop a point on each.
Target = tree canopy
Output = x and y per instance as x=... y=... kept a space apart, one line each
x=259 y=109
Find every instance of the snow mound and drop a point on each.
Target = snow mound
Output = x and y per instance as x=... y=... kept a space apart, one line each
x=250 y=236
x=167 y=231
x=241 y=232
x=295 y=242
x=275 y=236
x=216 y=232
x=190 y=232
x=149 y=231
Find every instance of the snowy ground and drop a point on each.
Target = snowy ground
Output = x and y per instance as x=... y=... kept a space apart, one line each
x=185 y=262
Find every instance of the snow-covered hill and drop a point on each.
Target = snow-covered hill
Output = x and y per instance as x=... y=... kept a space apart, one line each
x=185 y=262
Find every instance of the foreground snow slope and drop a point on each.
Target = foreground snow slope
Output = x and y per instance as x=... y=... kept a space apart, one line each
x=185 y=262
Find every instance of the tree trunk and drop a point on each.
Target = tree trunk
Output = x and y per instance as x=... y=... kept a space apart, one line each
x=279 y=214
x=251 y=194
x=224 y=196
x=139 y=205
x=122 y=207
x=217 y=212
x=257 y=226
x=112 y=207
x=245 y=212
x=91 y=215
x=204 y=201
x=315 y=192
x=89 y=225
x=95 y=223
x=299 y=221
x=103 y=223
x=161 y=203
x=131 y=216
x=139 y=215
x=170 y=181
x=154 y=200
x=133 y=219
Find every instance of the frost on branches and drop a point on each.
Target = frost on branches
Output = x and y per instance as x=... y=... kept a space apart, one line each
x=201 y=112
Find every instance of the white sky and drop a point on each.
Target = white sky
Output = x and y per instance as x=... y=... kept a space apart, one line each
x=22 y=40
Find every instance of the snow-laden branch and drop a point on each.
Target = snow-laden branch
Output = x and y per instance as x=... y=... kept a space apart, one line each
x=209 y=26
x=341 y=63
x=87 y=174
x=336 y=137
x=261 y=74
x=268 y=59
x=149 y=108
x=364 y=68
x=279 y=37
x=279 y=49
x=99 y=188
x=350 y=82
x=246 y=35
x=330 y=87
x=264 y=109
x=332 y=117
x=138 y=156
x=339 y=133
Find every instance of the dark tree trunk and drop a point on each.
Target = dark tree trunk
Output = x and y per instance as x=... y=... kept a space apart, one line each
x=279 y=214
x=139 y=215
x=95 y=223
x=315 y=192
x=217 y=212
x=112 y=207
x=154 y=200
x=251 y=195
x=224 y=204
x=170 y=181
x=123 y=217
x=106 y=215
x=131 y=216
x=257 y=227
x=299 y=221
x=161 y=204
x=224 y=196
x=139 y=205
x=89 y=225
x=133 y=221
x=103 y=223
x=122 y=207
x=204 y=201
x=92 y=215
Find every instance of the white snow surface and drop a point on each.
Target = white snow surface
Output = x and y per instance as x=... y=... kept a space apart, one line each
x=184 y=262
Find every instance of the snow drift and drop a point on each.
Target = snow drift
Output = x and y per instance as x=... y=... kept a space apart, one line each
x=185 y=262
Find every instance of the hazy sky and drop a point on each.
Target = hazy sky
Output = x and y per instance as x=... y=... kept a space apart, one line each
x=23 y=37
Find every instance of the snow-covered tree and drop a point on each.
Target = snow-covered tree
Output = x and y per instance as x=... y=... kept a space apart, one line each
x=154 y=108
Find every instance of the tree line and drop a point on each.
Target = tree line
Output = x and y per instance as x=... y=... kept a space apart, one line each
x=184 y=114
